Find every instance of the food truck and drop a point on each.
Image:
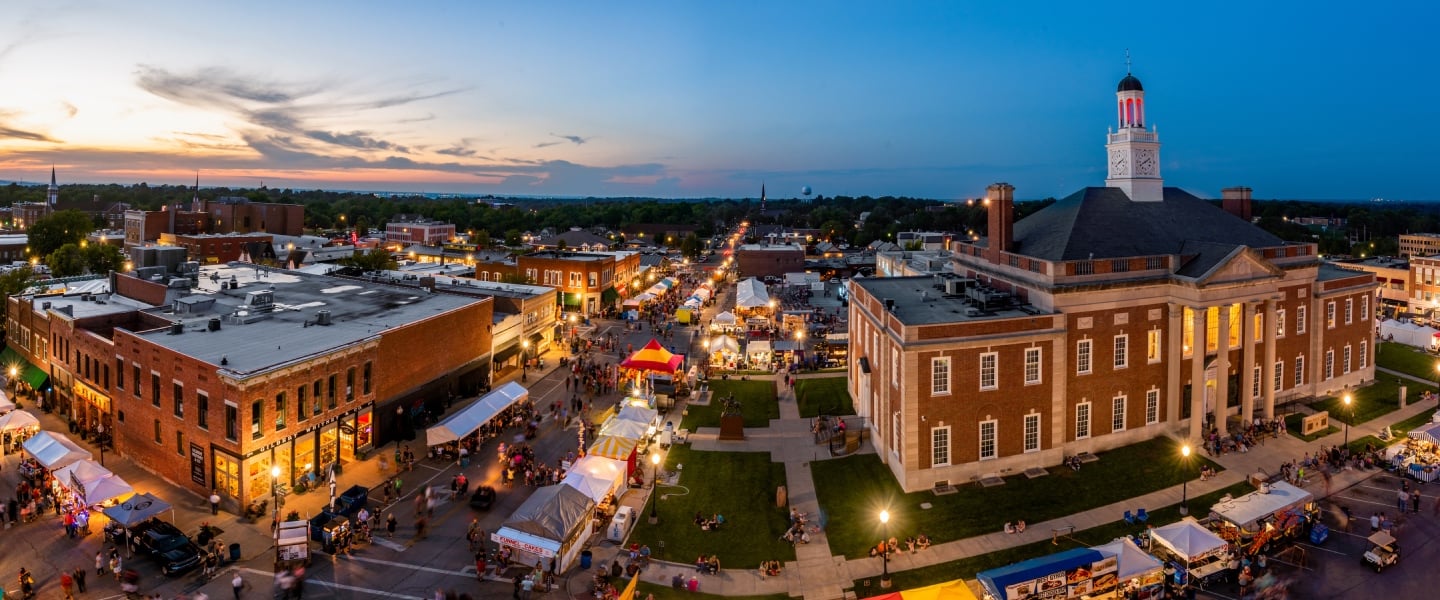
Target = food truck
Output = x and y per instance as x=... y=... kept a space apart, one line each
x=1257 y=523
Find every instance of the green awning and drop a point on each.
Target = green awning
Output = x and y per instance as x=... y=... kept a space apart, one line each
x=28 y=372
x=609 y=296
x=571 y=299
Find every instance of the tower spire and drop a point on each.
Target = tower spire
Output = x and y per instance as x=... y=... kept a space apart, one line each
x=52 y=193
x=1127 y=61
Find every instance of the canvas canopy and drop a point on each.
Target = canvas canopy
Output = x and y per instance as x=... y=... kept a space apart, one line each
x=136 y=509
x=758 y=347
x=751 y=293
x=1187 y=539
x=1407 y=333
x=625 y=429
x=653 y=357
x=96 y=484
x=6 y=404
x=638 y=414
x=950 y=590
x=725 y=318
x=596 y=476
x=1133 y=562
x=108 y=488
x=552 y=513
x=470 y=418
x=54 y=450
x=996 y=581
x=613 y=447
x=1428 y=433
x=724 y=343
x=17 y=419
x=1250 y=508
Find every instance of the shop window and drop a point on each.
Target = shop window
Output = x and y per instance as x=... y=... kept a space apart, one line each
x=227 y=475
x=350 y=385
x=202 y=409
x=366 y=380
x=279 y=411
x=257 y=409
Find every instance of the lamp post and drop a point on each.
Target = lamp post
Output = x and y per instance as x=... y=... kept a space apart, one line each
x=1185 y=480
x=1349 y=416
x=654 y=474
x=885 y=556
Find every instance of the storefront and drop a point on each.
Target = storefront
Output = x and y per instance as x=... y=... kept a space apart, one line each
x=304 y=459
x=91 y=406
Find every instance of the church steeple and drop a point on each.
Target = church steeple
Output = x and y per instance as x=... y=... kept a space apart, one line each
x=195 y=201
x=1133 y=152
x=52 y=193
x=762 y=196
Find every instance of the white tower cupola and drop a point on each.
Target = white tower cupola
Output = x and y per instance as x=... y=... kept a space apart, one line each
x=52 y=193
x=1133 y=153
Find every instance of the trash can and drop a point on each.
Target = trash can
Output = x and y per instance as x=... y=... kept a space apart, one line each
x=234 y=552
x=585 y=559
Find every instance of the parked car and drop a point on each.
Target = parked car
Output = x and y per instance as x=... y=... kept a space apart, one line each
x=167 y=545
x=482 y=498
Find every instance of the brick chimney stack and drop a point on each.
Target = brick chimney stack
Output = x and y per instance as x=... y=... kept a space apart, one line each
x=1236 y=201
x=1000 y=201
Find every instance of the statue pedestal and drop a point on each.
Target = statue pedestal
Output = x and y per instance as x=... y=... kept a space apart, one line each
x=732 y=427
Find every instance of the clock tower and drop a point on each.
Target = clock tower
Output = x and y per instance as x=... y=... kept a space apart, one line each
x=1132 y=152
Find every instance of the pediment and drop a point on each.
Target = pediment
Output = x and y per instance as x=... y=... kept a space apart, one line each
x=1241 y=265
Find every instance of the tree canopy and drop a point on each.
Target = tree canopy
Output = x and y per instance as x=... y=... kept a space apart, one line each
x=64 y=227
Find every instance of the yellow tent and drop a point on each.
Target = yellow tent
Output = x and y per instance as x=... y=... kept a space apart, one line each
x=950 y=590
x=610 y=446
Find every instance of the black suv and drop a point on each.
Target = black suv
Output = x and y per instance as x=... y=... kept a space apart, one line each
x=171 y=548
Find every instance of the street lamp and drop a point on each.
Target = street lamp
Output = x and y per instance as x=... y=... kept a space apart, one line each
x=1185 y=480
x=654 y=475
x=1349 y=416
x=885 y=556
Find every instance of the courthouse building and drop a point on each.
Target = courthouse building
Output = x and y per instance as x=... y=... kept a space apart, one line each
x=1118 y=314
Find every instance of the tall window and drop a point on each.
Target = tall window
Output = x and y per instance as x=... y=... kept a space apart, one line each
x=179 y=400
x=940 y=447
x=1212 y=329
x=1187 y=331
x=202 y=409
x=317 y=393
x=365 y=378
x=1082 y=420
x=119 y=373
x=895 y=367
x=1280 y=322
x=1345 y=364
x=1300 y=312
x=1279 y=373
x=988 y=364
x=987 y=439
x=1349 y=310
x=1258 y=327
x=155 y=389
x=1032 y=365
x=257 y=410
x=1117 y=414
x=1122 y=351
x=180 y=442
x=350 y=384
x=1082 y=357
x=1032 y=433
x=1329 y=364
x=1152 y=407
x=1330 y=314
x=279 y=411
x=1255 y=383
x=1299 y=370
x=330 y=397
x=1152 y=346
x=1365 y=308
x=940 y=376
x=232 y=422
x=158 y=440
x=1364 y=354
x=135 y=370
x=300 y=405
x=1234 y=318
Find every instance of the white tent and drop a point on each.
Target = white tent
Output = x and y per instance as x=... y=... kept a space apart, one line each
x=85 y=472
x=639 y=414
x=470 y=418
x=1246 y=510
x=54 y=450
x=724 y=343
x=595 y=476
x=1188 y=539
x=629 y=430
x=17 y=419
x=725 y=318
x=553 y=521
x=1408 y=333
x=108 y=488
x=1427 y=433
x=751 y=293
x=7 y=405
x=758 y=347
x=1132 y=562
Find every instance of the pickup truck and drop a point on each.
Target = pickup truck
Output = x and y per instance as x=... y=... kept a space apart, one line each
x=165 y=543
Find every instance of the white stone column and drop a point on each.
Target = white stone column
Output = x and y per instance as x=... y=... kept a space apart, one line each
x=1247 y=372
x=1267 y=386
x=1197 y=374
x=1174 y=355
x=1222 y=368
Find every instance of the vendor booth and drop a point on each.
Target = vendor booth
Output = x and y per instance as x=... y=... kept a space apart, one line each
x=616 y=448
x=759 y=353
x=54 y=450
x=724 y=322
x=1197 y=552
x=93 y=483
x=1419 y=456
x=724 y=350
x=553 y=522
x=1410 y=334
x=1070 y=574
x=7 y=405
x=1277 y=513
x=597 y=477
x=629 y=430
x=18 y=420
x=639 y=414
x=752 y=298
x=1140 y=575
x=469 y=419
x=950 y=590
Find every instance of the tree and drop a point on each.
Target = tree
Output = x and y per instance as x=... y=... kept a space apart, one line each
x=65 y=227
x=481 y=239
x=690 y=246
x=66 y=261
x=13 y=282
x=102 y=258
x=561 y=245
x=377 y=259
x=512 y=237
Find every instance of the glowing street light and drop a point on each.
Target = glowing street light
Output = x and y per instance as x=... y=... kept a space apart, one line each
x=1185 y=480
x=1350 y=412
x=885 y=556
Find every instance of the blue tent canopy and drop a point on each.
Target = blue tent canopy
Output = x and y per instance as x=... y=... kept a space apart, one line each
x=996 y=580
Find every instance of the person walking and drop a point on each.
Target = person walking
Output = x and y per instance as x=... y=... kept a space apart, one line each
x=214 y=502
x=67 y=585
x=237 y=584
x=80 y=579
x=390 y=525
x=99 y=564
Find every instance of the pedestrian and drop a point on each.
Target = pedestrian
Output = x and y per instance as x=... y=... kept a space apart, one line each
x=1415 y=502
x=237 y=584
x=115 y=565
x=99 y=564
x=390 y=524
x=214 y=502
x=516 y=593
x=1402 y=498
x=80 y=579
x=526 y=588
x=67 y=585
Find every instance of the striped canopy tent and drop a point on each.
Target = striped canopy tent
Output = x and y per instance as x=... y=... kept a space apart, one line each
x=950 y=590
x=618 y=448
x=654 y=357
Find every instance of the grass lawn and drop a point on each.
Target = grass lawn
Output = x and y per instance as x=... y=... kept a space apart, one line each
x=757 y=403
x=853 y=490
x=739 y=485
x=1405 y=359
x=1399 y=429
x=823 y=396
x=969 y=567
x=665 y=592
x=1294 y=424
x=1372 y=401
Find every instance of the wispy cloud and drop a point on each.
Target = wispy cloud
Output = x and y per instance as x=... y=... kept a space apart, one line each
x=456 y=151
x=355 y=139
x=70 y=109
x=560 y=139
x=9 y=130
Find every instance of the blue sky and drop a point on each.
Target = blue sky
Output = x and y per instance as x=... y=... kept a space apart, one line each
x=684 y=99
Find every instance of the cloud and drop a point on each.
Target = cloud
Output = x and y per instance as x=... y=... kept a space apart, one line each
x=34 y=136
x=70 y=109
x=355 y=139
x=574 y=139
x=456 y=151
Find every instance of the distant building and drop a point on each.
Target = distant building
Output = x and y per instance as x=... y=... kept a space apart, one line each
x=1419 y=244
x=588 y=282
x=926 y=240
x=418 y=230
x=228 y=214
x=769 y=260
x=576 y=239
x=217 y=248
x=1396 y=277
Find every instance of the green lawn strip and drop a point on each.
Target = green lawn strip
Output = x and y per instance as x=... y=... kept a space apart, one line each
x=853 y=490
x=823 y=396
x=1408 y=360
x=1399 y=429
x=1293 y=426
x=1372 y=401
x=738 y=485
x=757 y=404
x=967 y=568
x=665 y=592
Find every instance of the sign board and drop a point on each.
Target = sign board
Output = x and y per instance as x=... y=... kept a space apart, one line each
x=519 y=545
x=197 y=464
x=1317 y=422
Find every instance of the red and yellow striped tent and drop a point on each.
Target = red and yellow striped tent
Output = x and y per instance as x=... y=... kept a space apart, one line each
x=950 y=590
x=654 y=357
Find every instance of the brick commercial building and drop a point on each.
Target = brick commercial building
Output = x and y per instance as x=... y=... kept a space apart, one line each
x=217 y=248
x=1419 y=244
x=769 y=260
x=1115 y=315
x=228 y=214
x=588 y=282
x=410 y=229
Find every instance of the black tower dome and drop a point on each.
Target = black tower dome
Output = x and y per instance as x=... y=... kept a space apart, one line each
x=1130 y=84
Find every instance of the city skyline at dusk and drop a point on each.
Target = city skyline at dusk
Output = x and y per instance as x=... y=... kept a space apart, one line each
x=650 y=99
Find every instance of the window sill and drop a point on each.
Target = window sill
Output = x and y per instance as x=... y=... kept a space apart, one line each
x=990 y=389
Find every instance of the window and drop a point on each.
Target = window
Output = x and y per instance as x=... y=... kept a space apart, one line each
x=1187 y=331
x=1032 y=365
x=1152 y=346
x=1082 y=420
x=202 y=409
x=1152 y=407
x=1330 y=314
x=330 y=393
x=350 y=384
x=1117 y=414
x=1280 y=323
x=592 y=279
x=257 y=409
x=1300 y=312
x=180 y=443
x=1032 y=433
x=940 y=376
x=1364 y=355
x=300 y=403
x=155 y=389
x=1082 y=357
x=279 y=411
x=895 y=367
x=1255 y=383
x=1279 y=373
x=232 y=422
x=1365 y=308
x=316 y=396
x=158 y=440
x=987 y=439
x=119 y=373
x=1258 y=327
x=989 y=363
x=1122 y=351
x=1234 y=319
x=1349 y=310
x=940 y=447
x=1329 y=364
x=365 y=379
x=179 y=400
x=1300 y=370
x=135 y=370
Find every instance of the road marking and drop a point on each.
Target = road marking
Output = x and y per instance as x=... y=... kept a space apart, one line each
x=396 y=546
x=411 y=567
x=1322 y=549
x=339 y=586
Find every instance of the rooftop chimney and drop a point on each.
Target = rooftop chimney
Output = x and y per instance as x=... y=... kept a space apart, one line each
x=1236 y=201
x=1000 y=200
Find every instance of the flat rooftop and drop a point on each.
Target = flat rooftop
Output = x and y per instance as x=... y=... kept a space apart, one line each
x=288 y=332
x=1330 y=272
x=98 y=304
x=918 y=302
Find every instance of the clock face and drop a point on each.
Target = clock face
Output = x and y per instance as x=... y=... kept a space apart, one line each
x=1145 y=163
x=1118 y=165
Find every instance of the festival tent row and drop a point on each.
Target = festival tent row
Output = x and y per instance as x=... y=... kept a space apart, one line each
x=469 y=419
x=751 y=294
x=1408 y=333
x=950 y=590
x=18 y=419
x=54 y=450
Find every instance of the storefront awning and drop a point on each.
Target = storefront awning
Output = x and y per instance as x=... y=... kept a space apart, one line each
x=504 y=354
x=27 y=372
x=470 y=418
